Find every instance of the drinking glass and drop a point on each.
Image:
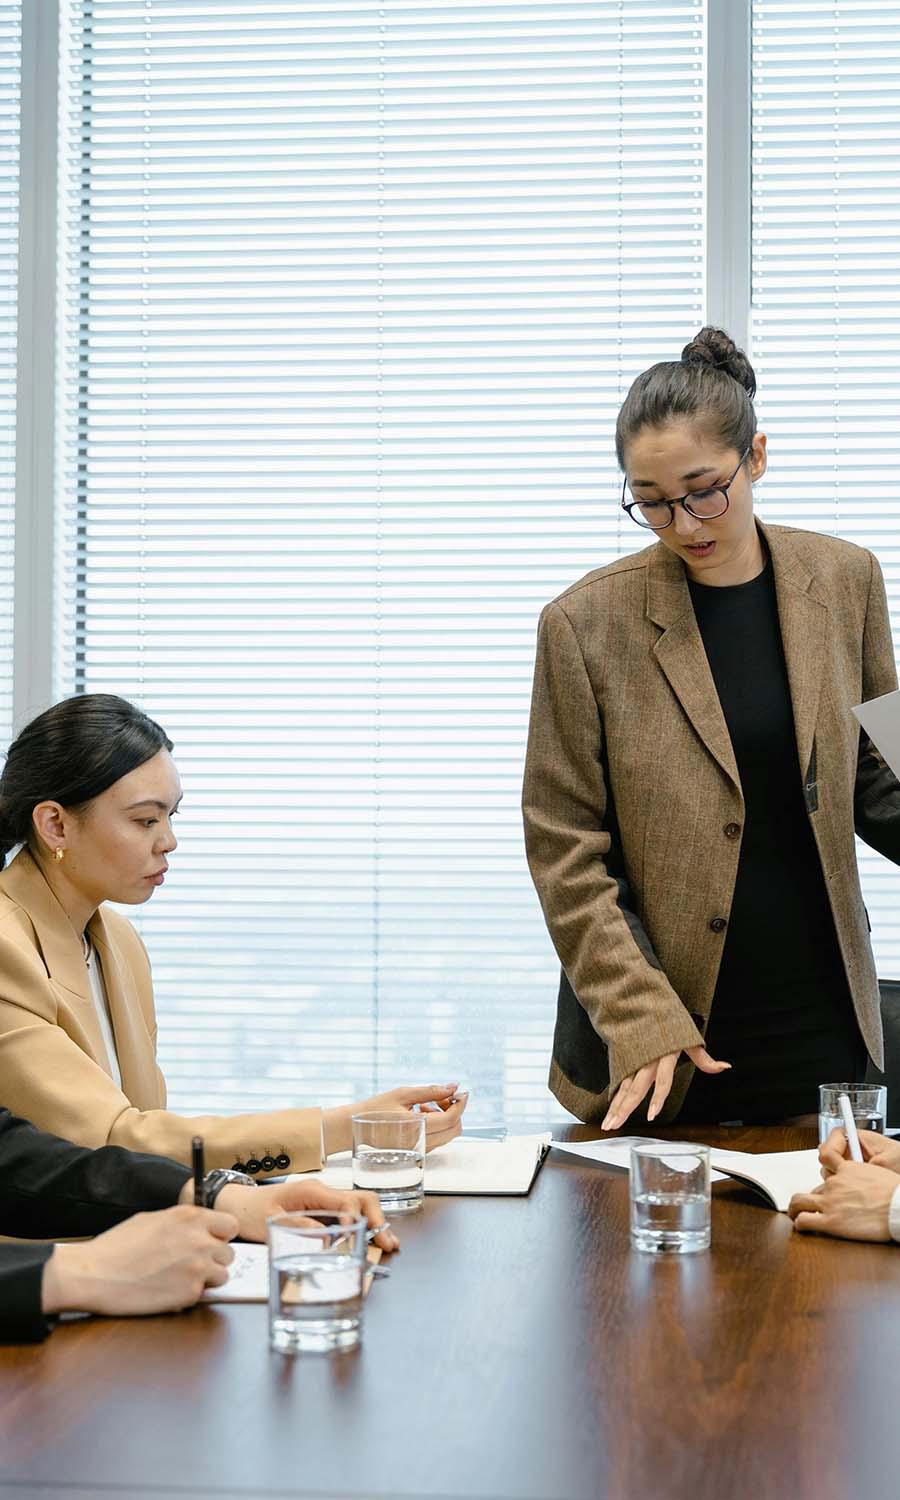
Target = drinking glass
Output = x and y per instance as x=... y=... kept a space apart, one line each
x=670 y=1202
x=316 y=1271
x=868 y=1105
x=389 y=1158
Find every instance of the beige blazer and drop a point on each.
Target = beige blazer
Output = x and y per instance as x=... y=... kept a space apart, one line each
x=633 y=805
x=53 y=1062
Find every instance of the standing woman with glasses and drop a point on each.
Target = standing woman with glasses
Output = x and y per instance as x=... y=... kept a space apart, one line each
x=695 y=775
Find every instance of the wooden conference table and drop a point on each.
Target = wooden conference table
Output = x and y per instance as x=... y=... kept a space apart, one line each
x=519 y=1349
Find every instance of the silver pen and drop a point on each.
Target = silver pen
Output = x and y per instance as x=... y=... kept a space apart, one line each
x=371 y=1233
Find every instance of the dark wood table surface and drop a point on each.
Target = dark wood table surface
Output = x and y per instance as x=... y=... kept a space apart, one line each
x=519 y=1349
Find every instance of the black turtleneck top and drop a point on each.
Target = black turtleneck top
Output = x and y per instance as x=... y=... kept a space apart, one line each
x=782 y=1013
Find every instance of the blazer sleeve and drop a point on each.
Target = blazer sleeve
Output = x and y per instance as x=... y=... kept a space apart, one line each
x=50 y=1079
x=602 y=946
x=876 y=803
x=51 y=1187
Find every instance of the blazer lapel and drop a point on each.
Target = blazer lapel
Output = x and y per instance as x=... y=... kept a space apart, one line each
x=804 y=626
x=682 y=657
x=125 y=1017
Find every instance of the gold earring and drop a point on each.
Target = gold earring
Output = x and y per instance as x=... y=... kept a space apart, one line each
x=59 y=855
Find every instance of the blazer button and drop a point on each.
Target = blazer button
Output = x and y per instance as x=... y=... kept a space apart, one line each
x=253 y=1166
x=282 y=1162
x=718 y=924
x=238 y=1166
x=732 y=830
x=268 y=1164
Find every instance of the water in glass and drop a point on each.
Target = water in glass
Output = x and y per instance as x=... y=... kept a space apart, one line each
x=674 y=1222
x=316 y=1302
x=397 y=1177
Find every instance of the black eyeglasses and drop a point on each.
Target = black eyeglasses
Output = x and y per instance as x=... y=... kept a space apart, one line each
x=704 y=505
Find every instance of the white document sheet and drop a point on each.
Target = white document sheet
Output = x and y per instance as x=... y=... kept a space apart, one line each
x=777 y=1174
x=880 y=718
x=494 y=1168
x=617 y=1152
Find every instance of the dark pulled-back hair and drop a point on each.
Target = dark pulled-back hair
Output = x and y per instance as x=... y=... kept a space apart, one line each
x=712 y=383
x=71 y=754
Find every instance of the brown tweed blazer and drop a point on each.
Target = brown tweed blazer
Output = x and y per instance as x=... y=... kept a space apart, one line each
x=631 y=795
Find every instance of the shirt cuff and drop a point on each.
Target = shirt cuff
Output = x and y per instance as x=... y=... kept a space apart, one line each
x=894 y=1215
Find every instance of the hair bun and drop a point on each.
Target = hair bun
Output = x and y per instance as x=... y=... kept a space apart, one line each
x=712 y=346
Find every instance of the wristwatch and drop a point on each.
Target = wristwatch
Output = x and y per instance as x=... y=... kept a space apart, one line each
x=214 y=1182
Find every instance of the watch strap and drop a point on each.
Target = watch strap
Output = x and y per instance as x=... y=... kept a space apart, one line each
x=221 y=1177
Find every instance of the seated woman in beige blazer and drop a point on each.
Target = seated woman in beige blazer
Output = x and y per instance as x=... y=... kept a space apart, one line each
x=695 y=775
x=89 y=791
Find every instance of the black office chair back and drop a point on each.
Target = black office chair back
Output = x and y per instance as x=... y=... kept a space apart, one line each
x=890 y=1017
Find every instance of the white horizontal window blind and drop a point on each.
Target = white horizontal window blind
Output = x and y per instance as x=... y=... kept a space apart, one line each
x=826 y=298
x=352 y=295
x=10 y=69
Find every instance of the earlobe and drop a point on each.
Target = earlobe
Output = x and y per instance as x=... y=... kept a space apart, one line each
x=759 y=460
x=47 y=821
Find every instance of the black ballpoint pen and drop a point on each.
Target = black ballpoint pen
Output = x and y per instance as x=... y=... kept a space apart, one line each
x=199 y=1169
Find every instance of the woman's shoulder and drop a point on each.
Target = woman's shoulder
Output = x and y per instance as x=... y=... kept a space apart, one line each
x=16 y=926
x=821 y=552
x=625 y=575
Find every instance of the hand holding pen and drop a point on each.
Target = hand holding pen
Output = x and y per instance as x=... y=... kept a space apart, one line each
x=875 y=1148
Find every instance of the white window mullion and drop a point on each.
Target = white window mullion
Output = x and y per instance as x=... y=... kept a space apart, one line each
x=728 y=133
x=34 y=547
x=826 y=297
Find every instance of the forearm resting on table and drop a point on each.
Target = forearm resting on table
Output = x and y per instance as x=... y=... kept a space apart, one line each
x=66 y=1282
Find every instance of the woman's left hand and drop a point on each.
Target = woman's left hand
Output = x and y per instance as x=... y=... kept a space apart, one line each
x=657 y=1075
x=851 y=1204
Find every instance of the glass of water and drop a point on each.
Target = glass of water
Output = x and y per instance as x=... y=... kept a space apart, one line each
x=868 y=1105
x=316 y=1271
x=389 y=1158
x=670 y=1204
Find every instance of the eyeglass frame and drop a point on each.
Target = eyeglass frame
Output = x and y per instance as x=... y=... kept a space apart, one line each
x=684 y=499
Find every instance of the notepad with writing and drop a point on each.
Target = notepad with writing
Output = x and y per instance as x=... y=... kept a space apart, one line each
x=494 y=1168
x=248 y=1275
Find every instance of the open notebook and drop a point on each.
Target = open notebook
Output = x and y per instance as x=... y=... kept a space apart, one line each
x=777 y=1174
x=495 y=1168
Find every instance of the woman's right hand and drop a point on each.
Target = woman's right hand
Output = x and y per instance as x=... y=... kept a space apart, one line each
x=152 y=1263
x=657 y=1075
x=443 y=1121
x=879 y=1150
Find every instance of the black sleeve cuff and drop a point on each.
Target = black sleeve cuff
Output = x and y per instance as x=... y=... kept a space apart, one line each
x=21 y=1278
